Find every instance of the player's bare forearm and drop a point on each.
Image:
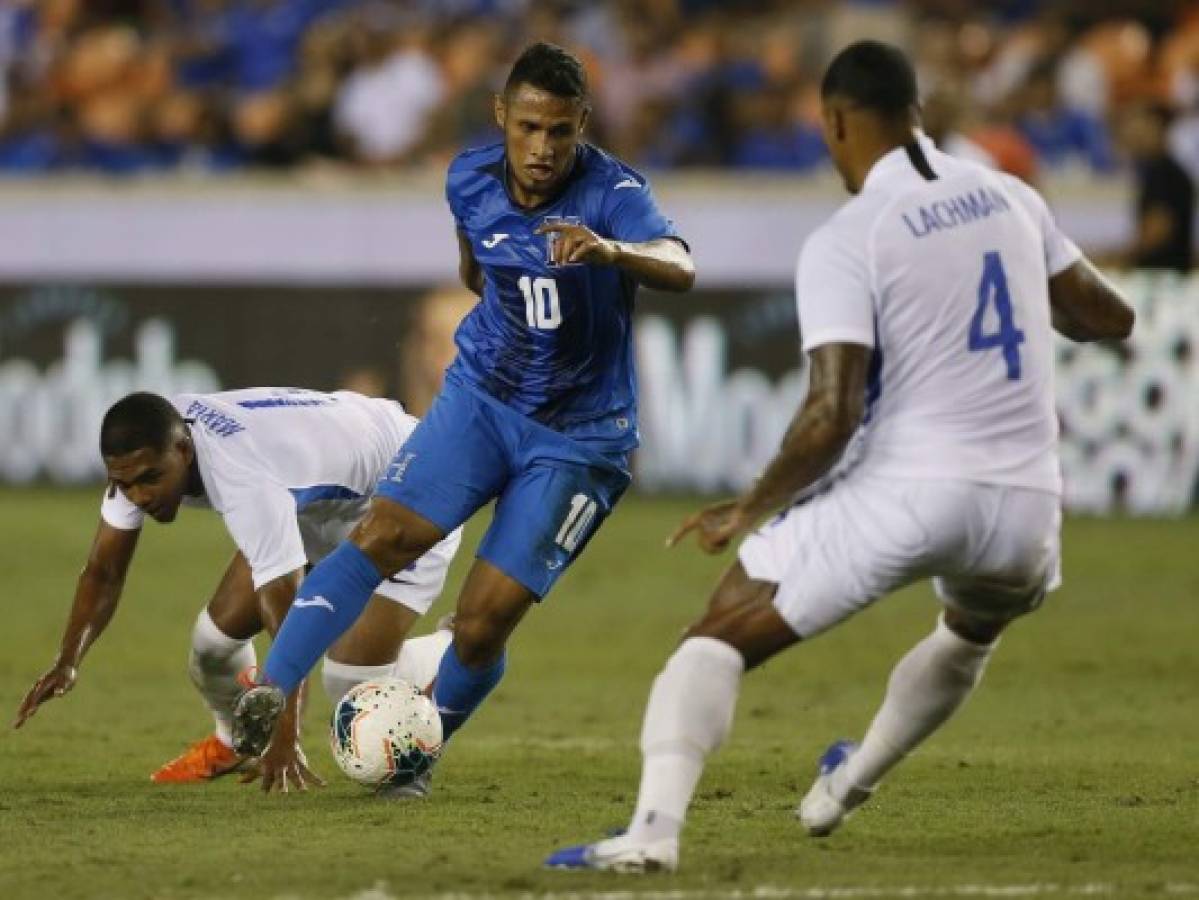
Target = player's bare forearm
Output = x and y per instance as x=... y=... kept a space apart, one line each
x=820 y=432
x=663 y=264
x=97 y=592
x=96 y=598
x=816 y=441
x=1086 y=306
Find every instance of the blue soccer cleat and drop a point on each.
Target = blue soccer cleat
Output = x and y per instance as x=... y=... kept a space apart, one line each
x=821 y=810
x=619 y=854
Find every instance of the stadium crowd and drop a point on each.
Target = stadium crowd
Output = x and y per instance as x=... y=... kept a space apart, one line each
x=134 y=86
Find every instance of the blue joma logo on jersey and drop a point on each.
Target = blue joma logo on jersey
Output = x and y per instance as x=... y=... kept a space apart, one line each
x=216 y=422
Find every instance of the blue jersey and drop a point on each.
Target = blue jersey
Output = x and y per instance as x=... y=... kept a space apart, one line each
x=554 y=343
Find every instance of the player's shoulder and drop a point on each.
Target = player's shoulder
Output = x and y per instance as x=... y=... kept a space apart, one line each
x=478 y=160
x=850 y=227
x=1024 y=192
x=604 y=172
x=475 y=172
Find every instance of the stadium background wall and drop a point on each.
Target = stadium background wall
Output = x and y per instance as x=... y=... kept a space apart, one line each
x=721 y=374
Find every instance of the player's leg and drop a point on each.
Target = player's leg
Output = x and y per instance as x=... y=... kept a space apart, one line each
x=451 y=464
x=795 y=577
x=221 y=650
x=377 y=645
x=543 y=519
x=925 y=688
x=688 y=716
x=339 y=587
x=1005 y=558
x=369 y=649
x=490 y=606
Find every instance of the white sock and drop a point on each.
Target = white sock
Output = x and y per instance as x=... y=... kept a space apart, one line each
x=926 y=688
x=689 y=714
x=339 y=677
x=420 y=657
x=215 y=662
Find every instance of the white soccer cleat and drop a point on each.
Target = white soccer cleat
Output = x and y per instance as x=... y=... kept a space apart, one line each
x=619 y=854
x=820 y=811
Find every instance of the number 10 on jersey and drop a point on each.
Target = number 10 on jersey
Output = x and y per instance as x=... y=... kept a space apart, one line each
x=993 y=291
x=542 y=308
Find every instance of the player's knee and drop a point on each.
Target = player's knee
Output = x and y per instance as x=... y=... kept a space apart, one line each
x=478 y=640
x=973 y=629
x=392 y=537
x=753 y=629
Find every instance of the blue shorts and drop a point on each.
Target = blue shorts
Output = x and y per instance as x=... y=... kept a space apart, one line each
x=552 y=491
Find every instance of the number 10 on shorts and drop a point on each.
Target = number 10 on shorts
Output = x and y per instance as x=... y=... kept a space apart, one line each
x=578 y=520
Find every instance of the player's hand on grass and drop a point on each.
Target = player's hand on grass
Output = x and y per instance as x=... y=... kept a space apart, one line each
x=578 y=244
x=60 y=679
x=283 y=766
x=715 y=526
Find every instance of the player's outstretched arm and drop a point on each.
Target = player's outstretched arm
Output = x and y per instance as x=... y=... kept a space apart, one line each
x=818 y=435
x=283 y=764
x=1087 y=307
x=96 y=596
x=663 y=264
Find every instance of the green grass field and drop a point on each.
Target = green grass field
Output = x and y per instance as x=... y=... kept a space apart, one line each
x=1074 y=769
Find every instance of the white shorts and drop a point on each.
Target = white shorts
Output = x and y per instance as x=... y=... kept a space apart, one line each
x=324 y=525
x=993 y=551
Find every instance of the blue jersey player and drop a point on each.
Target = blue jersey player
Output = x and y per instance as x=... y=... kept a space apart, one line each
x=539 y=409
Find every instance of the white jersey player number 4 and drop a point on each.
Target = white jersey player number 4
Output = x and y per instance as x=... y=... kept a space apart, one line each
x=926 y=305
x=993 y=293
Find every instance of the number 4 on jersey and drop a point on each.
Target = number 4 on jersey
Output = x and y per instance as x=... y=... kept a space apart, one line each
x=992 y=291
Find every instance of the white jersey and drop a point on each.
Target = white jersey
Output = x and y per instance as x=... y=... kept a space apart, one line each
x=288 y=470
x=947 y=280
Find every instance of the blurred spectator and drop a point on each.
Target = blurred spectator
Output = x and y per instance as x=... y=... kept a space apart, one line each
x=944 y=120
x=130 y=86
x=384 y=106
x=1058 y=133
x=1165 y=199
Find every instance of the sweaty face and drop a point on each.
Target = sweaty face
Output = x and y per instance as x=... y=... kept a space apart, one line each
x=541 y=133
x=153 y=480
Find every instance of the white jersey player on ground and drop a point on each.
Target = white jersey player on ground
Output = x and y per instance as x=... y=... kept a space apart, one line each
x=926 y=306
x=290 y=472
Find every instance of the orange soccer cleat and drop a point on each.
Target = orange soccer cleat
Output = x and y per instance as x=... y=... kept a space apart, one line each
x=201 y=761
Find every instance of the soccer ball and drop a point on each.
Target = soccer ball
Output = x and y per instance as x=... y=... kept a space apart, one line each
x=385 y=731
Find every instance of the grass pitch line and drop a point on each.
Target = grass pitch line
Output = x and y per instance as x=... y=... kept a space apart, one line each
x=769 y=892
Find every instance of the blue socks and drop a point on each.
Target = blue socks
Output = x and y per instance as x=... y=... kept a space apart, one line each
x=459 y=690
x=329 y=601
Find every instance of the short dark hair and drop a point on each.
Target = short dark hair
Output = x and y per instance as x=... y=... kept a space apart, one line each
x=137 y=421
x=549 y=68
x=875 y=76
